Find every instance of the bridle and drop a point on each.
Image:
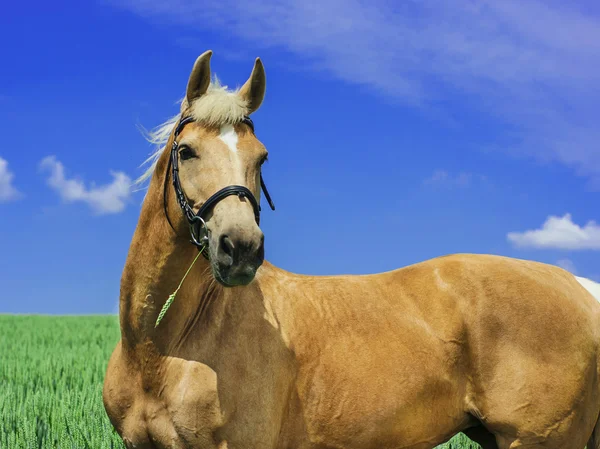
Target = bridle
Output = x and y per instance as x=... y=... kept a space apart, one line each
x=198 y=230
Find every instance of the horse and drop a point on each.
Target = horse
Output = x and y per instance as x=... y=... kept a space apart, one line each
x=252 y=356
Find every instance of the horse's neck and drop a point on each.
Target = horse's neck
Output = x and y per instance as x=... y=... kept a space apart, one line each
x=157 y=261
x=203 y=314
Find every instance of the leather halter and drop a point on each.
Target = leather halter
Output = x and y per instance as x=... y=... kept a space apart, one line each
x=196 y=221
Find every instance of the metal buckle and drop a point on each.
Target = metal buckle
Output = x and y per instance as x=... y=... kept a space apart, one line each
x=198 y=231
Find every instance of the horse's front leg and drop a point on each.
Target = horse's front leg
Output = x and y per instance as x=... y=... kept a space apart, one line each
x=183 y=408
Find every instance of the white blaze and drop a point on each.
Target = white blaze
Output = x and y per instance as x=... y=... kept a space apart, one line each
x=229 y=136
x=590 y=286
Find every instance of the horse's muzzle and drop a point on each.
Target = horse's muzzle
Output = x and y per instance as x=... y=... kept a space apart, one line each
x=238 y=258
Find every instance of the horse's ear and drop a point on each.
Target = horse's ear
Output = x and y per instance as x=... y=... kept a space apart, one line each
x=199 y=78
x=253 y=91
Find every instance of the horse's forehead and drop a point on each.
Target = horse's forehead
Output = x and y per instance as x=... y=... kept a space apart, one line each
x=232 y=137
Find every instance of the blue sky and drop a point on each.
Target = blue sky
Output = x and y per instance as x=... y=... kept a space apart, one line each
x=397 y=132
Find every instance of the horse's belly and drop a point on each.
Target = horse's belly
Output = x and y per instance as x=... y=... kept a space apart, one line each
x=385 y=395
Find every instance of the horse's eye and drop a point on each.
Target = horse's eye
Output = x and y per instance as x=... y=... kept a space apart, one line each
x=186 y=153
x=263 y=159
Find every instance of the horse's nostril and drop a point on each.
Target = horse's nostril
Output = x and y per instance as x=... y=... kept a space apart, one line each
x=227 y=245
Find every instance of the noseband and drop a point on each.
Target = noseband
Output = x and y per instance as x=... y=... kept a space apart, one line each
x=196 y=221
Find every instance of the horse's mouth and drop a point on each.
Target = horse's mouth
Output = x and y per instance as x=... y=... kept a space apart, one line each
x=234 y=276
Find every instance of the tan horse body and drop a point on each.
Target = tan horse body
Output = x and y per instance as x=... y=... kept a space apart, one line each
x=503 y=349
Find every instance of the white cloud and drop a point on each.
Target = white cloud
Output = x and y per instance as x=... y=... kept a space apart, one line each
x=567 y=264
x=462 y=179
x=106 y=199
x=7 y=191
x=532 y=64
x=559 y=233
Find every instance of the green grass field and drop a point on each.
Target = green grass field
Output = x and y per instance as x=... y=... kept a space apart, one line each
x=51 y=375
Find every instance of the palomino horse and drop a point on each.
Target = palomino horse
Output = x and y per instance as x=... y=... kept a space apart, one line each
x=251 y=356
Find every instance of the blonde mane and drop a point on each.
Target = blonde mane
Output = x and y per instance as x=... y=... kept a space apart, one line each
x=217 y=107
